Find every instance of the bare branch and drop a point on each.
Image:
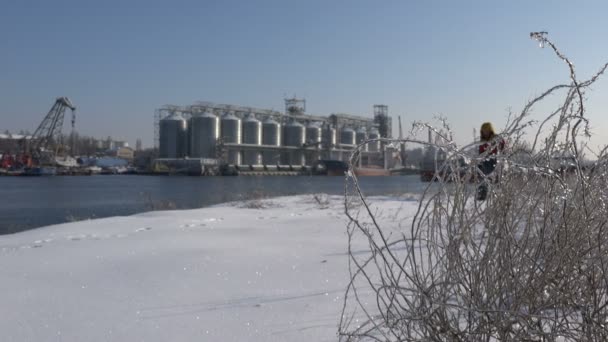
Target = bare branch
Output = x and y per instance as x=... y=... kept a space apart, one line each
x=527 y=264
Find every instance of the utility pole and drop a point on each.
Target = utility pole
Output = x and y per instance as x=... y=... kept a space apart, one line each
x=402 y=153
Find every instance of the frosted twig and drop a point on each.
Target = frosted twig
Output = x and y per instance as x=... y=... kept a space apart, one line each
x=528 y=264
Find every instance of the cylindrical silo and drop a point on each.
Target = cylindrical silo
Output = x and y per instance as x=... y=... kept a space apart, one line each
x=252 y=135
x=361 y=136
x=313 y=134
x=252 y=131
x=173 y=132
x=231 y=129
x=271 y=136
x=329 y=137
x=347 y=136
x=271 y=133
x=231 y=134
x=294 y=135
x=375 y=145
x=204 y=130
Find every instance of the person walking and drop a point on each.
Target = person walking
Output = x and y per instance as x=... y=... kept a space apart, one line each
x=491 y=145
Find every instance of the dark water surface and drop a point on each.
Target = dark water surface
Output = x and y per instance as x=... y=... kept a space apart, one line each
x=27 y=203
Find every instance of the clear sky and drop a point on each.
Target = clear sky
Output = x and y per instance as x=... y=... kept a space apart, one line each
x=119 y=60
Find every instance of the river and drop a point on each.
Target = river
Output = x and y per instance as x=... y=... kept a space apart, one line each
x=30 y=202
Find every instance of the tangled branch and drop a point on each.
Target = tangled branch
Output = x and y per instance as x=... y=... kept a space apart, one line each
x=528 y=264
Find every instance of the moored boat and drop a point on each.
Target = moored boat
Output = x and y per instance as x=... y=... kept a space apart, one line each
x=39 y=171
x=371 y=171
x=329 y=168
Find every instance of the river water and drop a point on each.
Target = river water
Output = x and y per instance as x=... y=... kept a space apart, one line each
x=30 y=202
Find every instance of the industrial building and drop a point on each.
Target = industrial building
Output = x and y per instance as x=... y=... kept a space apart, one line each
x=243 y=136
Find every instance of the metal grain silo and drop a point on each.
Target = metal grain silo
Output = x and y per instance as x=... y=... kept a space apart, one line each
x=347 y=136
x=361 y=136
x=252 y=135
x=375 y=145
x=231 y=129
x=313 y=134
x=294 y=135
x=204 y=130
x=329 y=137
x=252 y=131
x=173 y=132
x=271 y=136
x=271 y=133
x=231 y=134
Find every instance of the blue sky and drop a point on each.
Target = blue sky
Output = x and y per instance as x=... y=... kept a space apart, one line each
x=119 y=60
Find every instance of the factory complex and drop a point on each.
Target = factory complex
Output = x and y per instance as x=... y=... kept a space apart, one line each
x=209 y=138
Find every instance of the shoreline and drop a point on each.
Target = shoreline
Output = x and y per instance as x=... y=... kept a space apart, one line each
x=42 y=201
x=225 y=272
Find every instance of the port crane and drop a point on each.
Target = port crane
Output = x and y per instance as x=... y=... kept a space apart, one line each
x=46 y=140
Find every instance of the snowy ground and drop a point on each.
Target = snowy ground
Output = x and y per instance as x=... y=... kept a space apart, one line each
x=225 y=273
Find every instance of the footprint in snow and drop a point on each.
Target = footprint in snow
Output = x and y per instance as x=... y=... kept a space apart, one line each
x=40 y=243
x=82 y=237
x=193 y=225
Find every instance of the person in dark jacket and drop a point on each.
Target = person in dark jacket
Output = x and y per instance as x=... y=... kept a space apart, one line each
x=489 y=148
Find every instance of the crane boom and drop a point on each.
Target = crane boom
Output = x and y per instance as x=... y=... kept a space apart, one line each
x=48 y=133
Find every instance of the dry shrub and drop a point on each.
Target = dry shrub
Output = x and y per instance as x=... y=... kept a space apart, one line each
x=528 y=264
x=322 y=201
x=257 y=199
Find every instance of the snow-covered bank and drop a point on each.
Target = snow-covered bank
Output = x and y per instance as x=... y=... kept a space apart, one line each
x=225 y=273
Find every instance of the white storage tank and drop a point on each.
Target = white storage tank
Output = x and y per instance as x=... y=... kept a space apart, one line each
x=347 y=136
x=271 y=133
x=271 y=136
x=329 y=137
x=203 y=131
x=252 y=135
x=375 y=145
x=252 y=131
x=231 y=134
x=313 y=134
x=231 y=128
x=361 y=136
x=294 y=135
x=173 y=134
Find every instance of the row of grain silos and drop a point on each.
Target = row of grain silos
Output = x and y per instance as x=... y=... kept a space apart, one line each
x=350 y=137
x=198 y=137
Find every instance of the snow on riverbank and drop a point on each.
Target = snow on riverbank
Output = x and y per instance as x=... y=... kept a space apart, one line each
x=224 y=273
